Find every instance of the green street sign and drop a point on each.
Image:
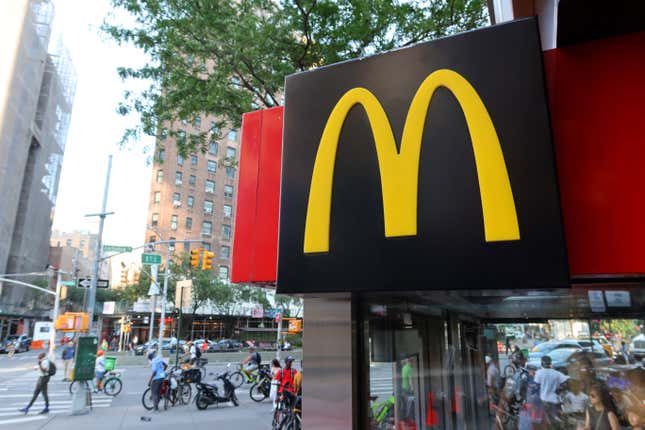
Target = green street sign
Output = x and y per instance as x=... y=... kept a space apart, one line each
x=68 y=283
x=150 y=259
x=113 y=248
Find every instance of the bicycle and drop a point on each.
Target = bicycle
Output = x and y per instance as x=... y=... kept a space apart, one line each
x=168 y=393
x=242 y=376
x=112 y=384
x=287 y=415
x=261 y=389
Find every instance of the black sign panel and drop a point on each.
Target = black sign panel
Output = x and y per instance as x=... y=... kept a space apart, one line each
x=429 y=167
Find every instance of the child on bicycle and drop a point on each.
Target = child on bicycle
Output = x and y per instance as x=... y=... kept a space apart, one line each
x=99 y=369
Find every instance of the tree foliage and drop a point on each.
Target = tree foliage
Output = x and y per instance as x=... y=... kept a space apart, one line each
x=224 y=58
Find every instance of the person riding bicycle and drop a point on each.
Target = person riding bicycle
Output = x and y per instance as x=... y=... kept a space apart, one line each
x=99 y=369
x=286 y=377
x=550 y=381
x=252 y=361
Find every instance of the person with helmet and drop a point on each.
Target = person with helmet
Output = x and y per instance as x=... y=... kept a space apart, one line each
x=99 y=369
x=549 y=381
x=286 y=377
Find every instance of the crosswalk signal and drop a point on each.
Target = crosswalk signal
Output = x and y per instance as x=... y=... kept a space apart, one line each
x=194 y=257
x=207 y=262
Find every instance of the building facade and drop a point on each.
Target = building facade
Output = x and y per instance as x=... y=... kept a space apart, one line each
x=37 y=86
x=193 y=198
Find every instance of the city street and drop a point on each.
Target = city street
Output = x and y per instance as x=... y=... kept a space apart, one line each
x=17 y=381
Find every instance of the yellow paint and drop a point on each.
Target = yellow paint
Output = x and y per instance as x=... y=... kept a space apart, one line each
x=400 y=169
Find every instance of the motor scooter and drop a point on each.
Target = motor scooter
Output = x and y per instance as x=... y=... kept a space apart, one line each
x=208 y=394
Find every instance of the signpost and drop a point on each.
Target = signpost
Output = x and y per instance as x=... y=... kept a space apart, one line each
x=114 y=248
x=150 y=259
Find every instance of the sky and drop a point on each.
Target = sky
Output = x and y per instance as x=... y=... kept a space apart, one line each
x=96 y=129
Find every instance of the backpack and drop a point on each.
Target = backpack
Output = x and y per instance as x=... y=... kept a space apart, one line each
x=259 y=358
x=198 y=352
x=52 y=369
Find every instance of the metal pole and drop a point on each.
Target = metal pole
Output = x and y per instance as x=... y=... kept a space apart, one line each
x=97 y=255
x=52 y=340
x=277 y=348
x=181 y=314
x=162 y=322
x=154 y=270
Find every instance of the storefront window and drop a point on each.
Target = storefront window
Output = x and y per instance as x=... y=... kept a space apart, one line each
x=509 y=360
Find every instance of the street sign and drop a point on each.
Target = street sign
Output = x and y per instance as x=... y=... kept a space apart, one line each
x=114 y=248
x=150 y=259
x=86 y=282
x=68 y=283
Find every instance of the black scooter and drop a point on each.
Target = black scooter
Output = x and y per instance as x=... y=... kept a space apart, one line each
x=208 y=394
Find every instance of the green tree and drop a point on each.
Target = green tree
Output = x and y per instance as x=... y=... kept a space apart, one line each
x=224 y=57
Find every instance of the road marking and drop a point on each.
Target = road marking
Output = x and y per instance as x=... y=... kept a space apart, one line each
x=23 y=420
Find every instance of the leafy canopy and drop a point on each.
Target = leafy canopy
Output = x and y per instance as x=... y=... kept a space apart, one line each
x=227 y=57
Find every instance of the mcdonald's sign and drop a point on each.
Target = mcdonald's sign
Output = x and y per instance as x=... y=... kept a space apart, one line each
x=429 y=167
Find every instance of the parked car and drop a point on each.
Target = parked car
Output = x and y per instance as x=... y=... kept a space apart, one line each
x=541 y=349
x=228 y=345
x=22 y=343
x=637 y=347
x=605 y=344
x=200 y=342
x=143 y=348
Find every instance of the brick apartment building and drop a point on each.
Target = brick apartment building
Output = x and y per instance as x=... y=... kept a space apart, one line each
x=194 y=197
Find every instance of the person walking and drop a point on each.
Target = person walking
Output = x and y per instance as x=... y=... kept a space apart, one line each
x=492 y=379
x=42 y=368
x=158 y=368
x=68 y=357
x=508 y=344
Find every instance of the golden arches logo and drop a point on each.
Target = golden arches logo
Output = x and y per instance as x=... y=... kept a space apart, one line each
x=400 y=168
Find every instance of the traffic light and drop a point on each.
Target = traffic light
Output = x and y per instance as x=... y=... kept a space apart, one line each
x=207 y=262
x=135 y=278
x=124 y=277
x=194 y=257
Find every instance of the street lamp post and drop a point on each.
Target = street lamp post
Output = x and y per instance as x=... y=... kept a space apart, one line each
x=162 y=321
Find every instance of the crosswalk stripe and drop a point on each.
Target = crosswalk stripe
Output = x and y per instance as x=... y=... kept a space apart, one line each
x=22 y=420
x=22 y=417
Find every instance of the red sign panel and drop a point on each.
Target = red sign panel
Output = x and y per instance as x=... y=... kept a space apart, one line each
x=255 y=246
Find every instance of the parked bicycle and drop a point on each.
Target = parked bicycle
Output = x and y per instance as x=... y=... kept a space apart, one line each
x=170 y=393
x=261 y=389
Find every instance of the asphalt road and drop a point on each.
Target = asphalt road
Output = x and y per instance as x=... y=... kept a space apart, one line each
x=17 y=380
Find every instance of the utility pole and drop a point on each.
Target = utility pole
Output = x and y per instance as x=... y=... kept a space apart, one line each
x=52 y=339
x=97 y=256
x=162 y=321
x=153 y=292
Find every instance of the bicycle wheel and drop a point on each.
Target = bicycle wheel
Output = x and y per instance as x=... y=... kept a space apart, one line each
x=112 y=386
x=76 y=385
x=185 y=393
x=509 y=370
x=277 y=418
x=146 y=399
x=258 y=392
x=237 y=379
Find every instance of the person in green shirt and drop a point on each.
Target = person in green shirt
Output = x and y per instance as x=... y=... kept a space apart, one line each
x=406 y=377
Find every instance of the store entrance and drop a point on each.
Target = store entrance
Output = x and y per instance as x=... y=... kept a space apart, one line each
x=453 y=362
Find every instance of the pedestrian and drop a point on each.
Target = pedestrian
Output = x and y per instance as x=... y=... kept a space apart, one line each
x=43 y=369
x=550 y=381
x=158 y=368
x=602 y=413
x=11 y=350
x=275 y=383
x=99 y=369
x=492 y=379
x=68 y=357
x=508 y=344
x=624 y=351
x=104 y=345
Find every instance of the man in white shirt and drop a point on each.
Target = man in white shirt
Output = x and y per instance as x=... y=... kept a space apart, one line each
x=41 y=386
x=549 y=381
x=492 y=378
x=193 y=353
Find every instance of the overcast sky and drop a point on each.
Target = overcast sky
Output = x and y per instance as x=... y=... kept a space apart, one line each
x=96 y=129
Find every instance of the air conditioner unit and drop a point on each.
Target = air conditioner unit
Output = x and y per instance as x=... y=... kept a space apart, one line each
x=176 y=204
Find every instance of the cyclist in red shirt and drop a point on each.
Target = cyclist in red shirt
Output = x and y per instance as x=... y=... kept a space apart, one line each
x=285 y=376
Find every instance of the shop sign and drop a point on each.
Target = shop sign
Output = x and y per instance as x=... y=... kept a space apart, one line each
x=257 y=312
x=429 y=167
